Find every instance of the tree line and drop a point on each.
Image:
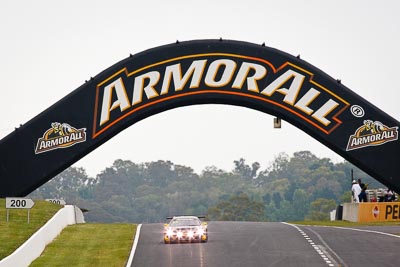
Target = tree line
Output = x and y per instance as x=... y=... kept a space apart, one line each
x=293 y=188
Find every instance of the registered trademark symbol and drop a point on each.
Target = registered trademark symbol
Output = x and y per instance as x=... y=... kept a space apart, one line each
x=357 y=111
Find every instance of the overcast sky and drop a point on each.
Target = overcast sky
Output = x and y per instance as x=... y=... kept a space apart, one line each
x=49 y=48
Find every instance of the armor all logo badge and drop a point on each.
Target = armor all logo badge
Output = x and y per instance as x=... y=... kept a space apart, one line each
x=60 y=135
x=372 y=133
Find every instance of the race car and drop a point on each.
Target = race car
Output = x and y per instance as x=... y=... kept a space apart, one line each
x=185 y=229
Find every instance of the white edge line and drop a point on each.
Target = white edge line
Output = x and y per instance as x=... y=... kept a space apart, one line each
x=317 y=249
x=367 y=231
x=135 y=242
x=348 y=228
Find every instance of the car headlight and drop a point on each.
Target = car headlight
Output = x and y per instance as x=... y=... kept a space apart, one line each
x=169 y=232
x=201 y=231
x=179 y=234
x=190 y=234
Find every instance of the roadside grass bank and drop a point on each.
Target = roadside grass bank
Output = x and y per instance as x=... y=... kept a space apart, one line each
x=90 y=245
x=17 y=230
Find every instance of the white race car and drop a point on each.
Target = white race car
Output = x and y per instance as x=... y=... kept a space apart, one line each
x=185 y=229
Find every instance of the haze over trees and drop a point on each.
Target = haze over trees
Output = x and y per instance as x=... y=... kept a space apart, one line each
x=292 y=188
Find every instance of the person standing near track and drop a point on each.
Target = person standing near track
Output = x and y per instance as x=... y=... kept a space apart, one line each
x=355 y=191
x=363 y=195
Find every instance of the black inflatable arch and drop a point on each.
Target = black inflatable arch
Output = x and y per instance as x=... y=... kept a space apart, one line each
x=200 y=72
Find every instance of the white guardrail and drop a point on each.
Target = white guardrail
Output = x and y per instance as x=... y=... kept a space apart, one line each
x=34 y=246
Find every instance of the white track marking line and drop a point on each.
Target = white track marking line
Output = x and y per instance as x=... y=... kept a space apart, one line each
x=320 y=252
x=329 y=248
x=353 y=229
x=367 y=231
x=135 y=242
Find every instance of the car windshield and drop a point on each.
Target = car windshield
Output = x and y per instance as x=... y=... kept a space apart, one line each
x=185 y=222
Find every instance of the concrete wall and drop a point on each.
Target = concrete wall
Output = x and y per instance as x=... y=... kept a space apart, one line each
x=350 y=212
x=35 y=245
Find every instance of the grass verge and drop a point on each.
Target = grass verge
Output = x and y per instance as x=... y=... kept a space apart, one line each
x=17 y=230
x=90 y=245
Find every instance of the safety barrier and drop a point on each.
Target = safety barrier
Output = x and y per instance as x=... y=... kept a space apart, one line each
x=371 y=212
x=35 y=245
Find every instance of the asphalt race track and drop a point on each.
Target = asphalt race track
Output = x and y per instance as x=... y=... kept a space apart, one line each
x=246 y=244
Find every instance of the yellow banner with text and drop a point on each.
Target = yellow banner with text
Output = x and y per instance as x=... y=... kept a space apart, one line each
x=378 y=211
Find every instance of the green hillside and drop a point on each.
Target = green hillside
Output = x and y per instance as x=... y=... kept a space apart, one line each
x=96 y=244
x=292 y=188
x=17 y=230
